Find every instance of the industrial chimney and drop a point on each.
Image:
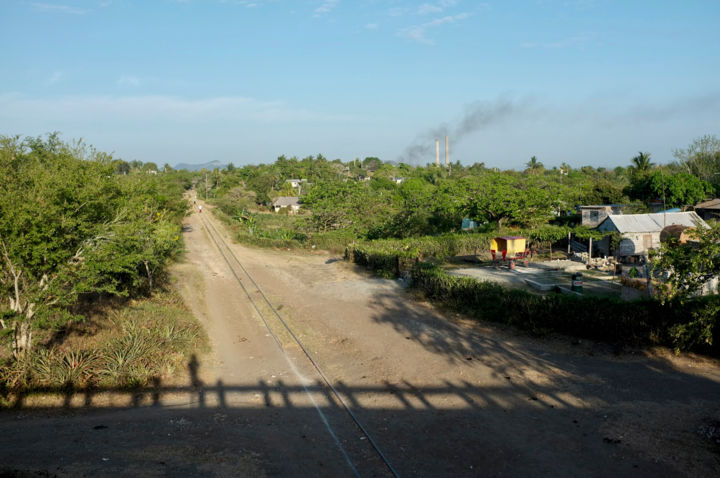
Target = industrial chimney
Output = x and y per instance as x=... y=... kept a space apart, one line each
x=437 y=153
x=447 y=152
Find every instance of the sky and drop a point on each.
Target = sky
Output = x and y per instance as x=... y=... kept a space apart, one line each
x=582 y=82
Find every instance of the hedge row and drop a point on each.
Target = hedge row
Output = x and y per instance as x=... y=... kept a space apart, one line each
x=392 y=257
x=644 y=322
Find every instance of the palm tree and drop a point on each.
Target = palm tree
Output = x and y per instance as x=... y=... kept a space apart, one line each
x=641 y=162
x=534 y=165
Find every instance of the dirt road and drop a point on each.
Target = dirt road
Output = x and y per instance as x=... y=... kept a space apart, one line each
x=440 y=396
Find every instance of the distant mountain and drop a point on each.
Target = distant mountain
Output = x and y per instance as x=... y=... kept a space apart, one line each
x=197 y=167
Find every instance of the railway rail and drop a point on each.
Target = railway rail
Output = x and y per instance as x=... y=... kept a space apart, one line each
x=276 y=326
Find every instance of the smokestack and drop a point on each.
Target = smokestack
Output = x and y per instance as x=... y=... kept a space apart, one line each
x=447 y=152
x=437 y=153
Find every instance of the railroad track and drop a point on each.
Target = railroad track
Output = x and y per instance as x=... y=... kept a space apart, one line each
x=278 y=328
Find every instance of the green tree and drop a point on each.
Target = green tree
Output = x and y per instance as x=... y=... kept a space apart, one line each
x=683 y=270
x=499 y=197
x=549 y=234
x=679 y=190
x=149 y=166
x=641 y=163
x=640 y=176
x=702 y=158
x=688 y=266
x=68 y=227
x=534 y=165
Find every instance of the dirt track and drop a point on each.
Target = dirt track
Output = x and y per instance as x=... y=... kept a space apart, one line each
x=441 y=396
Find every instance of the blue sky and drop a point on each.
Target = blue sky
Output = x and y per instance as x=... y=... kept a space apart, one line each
x=587 y=82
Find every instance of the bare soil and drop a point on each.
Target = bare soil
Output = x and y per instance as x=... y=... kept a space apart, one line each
x=439 y=394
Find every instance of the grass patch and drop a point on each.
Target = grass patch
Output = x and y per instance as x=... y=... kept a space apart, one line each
x=281 y=231
x=121 y=347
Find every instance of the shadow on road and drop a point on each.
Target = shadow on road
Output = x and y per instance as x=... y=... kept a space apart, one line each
x=454 y=428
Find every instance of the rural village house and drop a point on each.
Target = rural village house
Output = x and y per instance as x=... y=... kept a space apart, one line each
x=641 y=232
x=292 y=202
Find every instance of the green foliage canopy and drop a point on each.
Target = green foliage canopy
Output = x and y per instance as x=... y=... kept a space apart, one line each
x=69 y=225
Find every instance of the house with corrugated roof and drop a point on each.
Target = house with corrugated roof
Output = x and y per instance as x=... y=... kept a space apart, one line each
x=641 y=232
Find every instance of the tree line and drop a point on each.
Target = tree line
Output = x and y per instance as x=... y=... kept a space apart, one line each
x=373 y=199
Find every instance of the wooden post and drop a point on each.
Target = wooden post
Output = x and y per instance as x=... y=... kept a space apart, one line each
x=569 y=243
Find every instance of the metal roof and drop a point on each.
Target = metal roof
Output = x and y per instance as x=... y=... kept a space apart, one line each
x=711 y=204
x=286 y=201
x=624 y=223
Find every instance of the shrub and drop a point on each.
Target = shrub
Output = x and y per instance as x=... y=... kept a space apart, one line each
x=391 y=257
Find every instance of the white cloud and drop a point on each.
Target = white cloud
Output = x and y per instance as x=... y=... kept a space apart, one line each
x=417 y=33
x=372 y=26
x=326 y=7
x=437 y=7
x=50 y=7
x=426 y=8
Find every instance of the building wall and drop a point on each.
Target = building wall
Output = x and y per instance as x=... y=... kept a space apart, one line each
x=592 y=217
x=642 y=241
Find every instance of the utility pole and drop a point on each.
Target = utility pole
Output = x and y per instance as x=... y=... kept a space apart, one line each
x=662 y=178
x=206 y=186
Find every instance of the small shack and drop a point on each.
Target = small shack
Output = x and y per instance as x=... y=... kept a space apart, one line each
x=510 y=247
